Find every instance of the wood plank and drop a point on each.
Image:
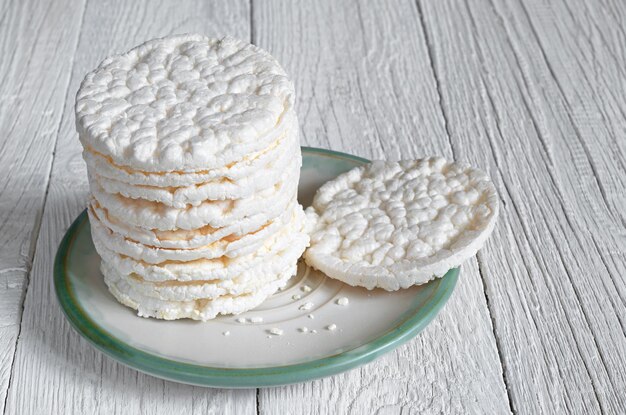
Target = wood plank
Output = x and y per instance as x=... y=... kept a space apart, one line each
x=365 y=85
x=34 y=75
x=519 y=95
x=54 y=367
x=586 y=118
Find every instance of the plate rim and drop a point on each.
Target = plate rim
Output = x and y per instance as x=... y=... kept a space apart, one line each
x=208 y=376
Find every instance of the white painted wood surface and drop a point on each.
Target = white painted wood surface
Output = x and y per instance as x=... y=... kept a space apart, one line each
x=35 y=67
x=531 y=91
x=558 y=310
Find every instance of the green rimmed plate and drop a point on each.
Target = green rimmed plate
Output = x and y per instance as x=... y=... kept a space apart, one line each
x=227 y=353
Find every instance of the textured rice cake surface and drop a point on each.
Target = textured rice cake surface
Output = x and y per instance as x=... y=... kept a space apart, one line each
x=274 y=254
x=396 y=224
x=248 y=165
x=247 y=282
x=183 y=103
x=229 y=247
x=201 y=309
x=147 y=214
x=288 y=164
x=182 y=238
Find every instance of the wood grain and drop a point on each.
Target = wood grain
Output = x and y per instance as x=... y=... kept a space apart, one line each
x=365 y=85
x=34 y=74
x=528 y=112
x=54 y=367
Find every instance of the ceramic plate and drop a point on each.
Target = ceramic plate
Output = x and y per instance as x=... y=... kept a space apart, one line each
x=198 y=353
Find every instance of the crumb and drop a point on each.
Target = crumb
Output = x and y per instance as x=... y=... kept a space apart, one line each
x=306 y=306
x=276 y=331
x=343 y=301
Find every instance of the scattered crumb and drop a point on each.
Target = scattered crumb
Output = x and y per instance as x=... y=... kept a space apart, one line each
x=241 y=320
x=306 y=306
x=343 y=301
x=313 y=331
x=269 y=337
x=226 y=333
x=306 y=288
x=256 y=319
x=303 y=329
x=331 y=327
x=311 y=316
x=296 y=296
x=276 y=331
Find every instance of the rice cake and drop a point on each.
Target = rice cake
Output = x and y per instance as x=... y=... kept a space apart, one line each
x=183 y=103
x=397 y=224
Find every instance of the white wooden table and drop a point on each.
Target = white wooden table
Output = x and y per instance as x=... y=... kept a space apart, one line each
x=532 y=91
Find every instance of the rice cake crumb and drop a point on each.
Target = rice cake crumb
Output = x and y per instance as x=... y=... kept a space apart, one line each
x=343 y=301
x=306 y=306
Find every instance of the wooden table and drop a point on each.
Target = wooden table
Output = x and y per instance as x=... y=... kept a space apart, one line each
x=531 y=91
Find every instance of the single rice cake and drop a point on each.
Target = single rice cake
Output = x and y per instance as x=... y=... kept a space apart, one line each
x=392 y=225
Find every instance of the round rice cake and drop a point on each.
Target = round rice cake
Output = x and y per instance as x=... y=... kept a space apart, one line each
x=229 y=247
x=278 y=251
x=201 y=309
x=247 y=282
x=181 y=197
x=183 y=103
x=147 y=214
x=182 y=238
x=248 y=165
x=397 y=224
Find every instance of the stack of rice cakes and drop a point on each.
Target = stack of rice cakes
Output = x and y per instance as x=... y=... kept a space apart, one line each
x=193 y=157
